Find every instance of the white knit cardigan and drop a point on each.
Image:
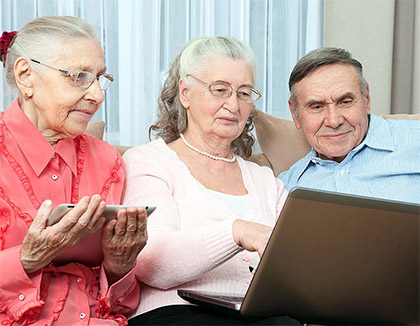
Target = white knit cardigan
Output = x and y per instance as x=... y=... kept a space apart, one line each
x=190 y=241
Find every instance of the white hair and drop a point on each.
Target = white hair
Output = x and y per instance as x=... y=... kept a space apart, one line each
x=33 y=39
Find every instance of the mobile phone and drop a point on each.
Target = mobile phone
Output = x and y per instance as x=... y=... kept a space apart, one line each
x=110 y=211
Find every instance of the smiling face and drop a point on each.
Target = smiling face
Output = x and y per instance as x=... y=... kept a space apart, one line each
x=211 y=116
x=62 y=109
x=332 y=111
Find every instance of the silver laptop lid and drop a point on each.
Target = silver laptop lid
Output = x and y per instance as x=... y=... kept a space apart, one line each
x=340 y=258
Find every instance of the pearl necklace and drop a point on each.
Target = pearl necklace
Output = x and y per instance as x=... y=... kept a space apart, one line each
x=217 y=158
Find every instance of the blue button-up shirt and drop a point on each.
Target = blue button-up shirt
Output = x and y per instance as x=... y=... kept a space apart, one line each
x=385 y=165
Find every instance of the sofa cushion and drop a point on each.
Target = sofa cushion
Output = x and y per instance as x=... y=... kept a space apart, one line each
x=283 y=145
x=96 y=128
x=280 y=141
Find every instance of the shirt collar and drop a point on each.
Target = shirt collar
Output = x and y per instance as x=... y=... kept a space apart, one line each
x=33 y=144
x=378 y=137
x=303 y=164
x=66 y=148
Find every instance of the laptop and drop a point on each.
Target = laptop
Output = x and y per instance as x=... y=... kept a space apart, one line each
x=334 y=258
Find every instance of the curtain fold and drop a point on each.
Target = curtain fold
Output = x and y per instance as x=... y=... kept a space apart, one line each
x=279 y=31
x=406 y=61
x=140 y=39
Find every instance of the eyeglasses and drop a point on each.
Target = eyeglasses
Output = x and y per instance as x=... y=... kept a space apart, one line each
x=221 y=89
x=83 y=79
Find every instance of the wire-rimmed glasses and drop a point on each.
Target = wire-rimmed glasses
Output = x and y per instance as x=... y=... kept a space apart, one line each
x=83 y=79
x=222 y=89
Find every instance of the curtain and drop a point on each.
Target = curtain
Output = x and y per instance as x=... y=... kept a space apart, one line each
x=406 y=58
x=384 y=35
x=102 y=14
x=140 y=38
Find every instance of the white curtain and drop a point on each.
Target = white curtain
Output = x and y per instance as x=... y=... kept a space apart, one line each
x=141 y=37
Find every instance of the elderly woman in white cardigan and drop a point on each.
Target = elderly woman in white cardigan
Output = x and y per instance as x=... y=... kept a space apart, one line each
x=215 y=211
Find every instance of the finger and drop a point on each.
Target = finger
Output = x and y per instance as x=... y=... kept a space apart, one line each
x=121 y=224
x=87 y=216
x=141 y=220
x=131 y=220
x=108 y=232
x=98 y=224
x=141 y=212
x=72 y=217
x=97 y=221
x=40 y=220
x=141 y=229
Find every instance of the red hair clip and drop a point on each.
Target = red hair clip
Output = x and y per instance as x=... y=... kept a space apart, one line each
x=5 y=41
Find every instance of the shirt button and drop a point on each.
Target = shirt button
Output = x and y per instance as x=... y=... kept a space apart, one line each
x=342 y=172
x=53 y=156
x=313 y=161
x=79 y=280
x=21 y=297
x=54 y=177
x=82 y=316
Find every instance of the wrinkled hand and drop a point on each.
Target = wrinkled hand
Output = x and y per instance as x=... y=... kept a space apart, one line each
x=42 y=244
x=251 y=236
x=122 y=240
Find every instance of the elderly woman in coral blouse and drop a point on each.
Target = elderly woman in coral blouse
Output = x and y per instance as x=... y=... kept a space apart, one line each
x=79 y=270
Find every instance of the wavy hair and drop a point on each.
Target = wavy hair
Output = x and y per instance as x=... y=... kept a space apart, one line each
x=172 y=116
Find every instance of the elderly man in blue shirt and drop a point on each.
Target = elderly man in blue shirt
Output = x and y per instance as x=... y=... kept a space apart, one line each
x=353 y=151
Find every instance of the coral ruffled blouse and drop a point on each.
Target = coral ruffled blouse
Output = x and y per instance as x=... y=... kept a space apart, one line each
x=72 y=290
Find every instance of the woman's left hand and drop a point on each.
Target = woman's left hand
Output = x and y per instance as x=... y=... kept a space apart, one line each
x=122 y=240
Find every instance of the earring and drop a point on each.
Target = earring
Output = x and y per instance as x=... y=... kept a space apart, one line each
x=27 y=96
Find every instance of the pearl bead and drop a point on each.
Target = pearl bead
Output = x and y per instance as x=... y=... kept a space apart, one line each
x=217 y=158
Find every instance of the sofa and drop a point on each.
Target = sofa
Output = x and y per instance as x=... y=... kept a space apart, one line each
x=280 y=142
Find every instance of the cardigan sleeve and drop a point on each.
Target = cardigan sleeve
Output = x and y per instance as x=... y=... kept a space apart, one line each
x=172 y=256
x=282 y=194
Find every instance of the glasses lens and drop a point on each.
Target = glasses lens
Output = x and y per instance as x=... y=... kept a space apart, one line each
x=84 y=79
x=248 y=94
x=220 y=90
x=105 y=81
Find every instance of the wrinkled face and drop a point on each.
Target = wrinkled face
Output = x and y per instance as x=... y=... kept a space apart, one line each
x=332 y=112
x=211 y=115
x=60 y=106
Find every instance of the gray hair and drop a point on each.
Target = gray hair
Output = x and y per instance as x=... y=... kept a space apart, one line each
x=31 y=41
x=319 y=58
x=172 y=116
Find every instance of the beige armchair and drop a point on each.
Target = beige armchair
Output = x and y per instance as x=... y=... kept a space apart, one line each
x=280 y=142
